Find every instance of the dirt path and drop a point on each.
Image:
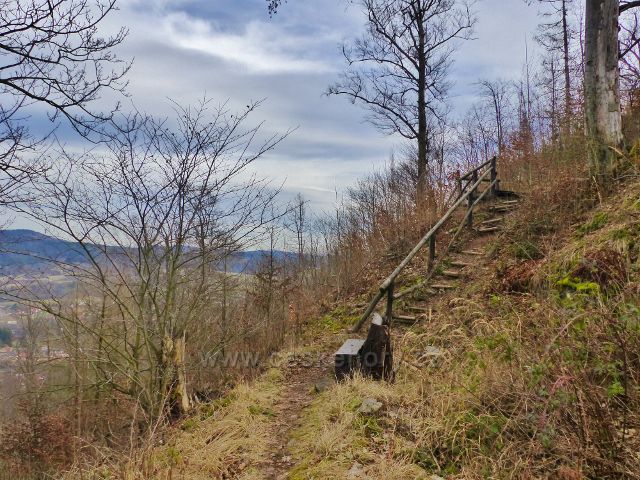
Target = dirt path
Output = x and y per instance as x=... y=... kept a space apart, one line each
x=303 y=374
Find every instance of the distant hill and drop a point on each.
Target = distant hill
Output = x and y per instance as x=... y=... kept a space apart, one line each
x=26 y=251
x=250 y=261
x=29 y=252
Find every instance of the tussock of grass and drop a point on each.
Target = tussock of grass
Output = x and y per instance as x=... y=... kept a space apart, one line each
x=232 y=439
x=335 y=436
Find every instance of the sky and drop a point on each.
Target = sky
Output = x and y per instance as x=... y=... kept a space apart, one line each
x=232 y=51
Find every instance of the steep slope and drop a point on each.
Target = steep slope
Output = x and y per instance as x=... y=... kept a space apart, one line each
x=528 y=368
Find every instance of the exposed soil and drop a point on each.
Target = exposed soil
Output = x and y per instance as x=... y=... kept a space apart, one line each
x=305 y=375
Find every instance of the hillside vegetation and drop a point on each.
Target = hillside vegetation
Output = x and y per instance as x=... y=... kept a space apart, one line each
x=149 y=342
x=527 y=370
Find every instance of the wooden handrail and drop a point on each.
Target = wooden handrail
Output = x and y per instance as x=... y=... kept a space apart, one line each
x=389 y=281
x=479 y=167
x=469 y=178
x=434 y=266
x=428 y=235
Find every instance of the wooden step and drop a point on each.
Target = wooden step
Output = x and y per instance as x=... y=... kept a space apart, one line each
x=492 y=221
x=460 y=264
x=406 y=319
x=508 y=202
x=473 y=252
x=451 y=273
x=499 y=207
x=418 y=309
x=443 y=286
x=488 y=229
x=502 y=209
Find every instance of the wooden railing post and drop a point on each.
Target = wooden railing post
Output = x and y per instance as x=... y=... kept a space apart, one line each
x=432 y=252
x=471 y=199
x=389 y=313
x=494 y=176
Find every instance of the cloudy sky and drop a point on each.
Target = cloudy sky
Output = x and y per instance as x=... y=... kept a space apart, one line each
x=231 y=50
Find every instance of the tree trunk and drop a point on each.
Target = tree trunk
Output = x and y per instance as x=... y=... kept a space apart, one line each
x=602 y=95
x=499 y=126
x=422 y=117
x=567 y=72
x=180 y=395
x=173 y=369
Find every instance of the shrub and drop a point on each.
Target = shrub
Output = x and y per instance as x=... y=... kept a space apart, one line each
x=37 y=442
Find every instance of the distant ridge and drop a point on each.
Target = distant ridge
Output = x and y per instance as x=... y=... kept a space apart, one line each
x=25 y=251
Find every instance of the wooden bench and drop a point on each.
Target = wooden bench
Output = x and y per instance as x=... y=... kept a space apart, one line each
x=347 y=358
x=372 y=357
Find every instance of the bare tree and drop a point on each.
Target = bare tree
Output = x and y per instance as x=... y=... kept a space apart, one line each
x=496 y=94
x=602 y=85
x=398 y=70
x=53 y=59
x=556 y=35
x=551 y=89
x=154 y=215
x=475 y=139
x=297 y=224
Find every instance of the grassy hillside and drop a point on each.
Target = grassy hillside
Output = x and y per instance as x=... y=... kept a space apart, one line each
x=528 y=370
x=537 y=376
x=537 y=371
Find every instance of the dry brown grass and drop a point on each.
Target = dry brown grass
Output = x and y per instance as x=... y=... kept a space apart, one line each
x=225 y=440
x=538 y=383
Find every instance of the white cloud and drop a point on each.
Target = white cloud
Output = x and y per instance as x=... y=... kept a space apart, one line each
x=259 y=48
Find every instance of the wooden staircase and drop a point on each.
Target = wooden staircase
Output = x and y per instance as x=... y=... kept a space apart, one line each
x=459 y=265
x=444 y=273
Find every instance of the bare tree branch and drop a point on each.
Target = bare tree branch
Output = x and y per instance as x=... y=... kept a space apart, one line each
x=398 y=70
x=628 y=6
x=51 y=56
